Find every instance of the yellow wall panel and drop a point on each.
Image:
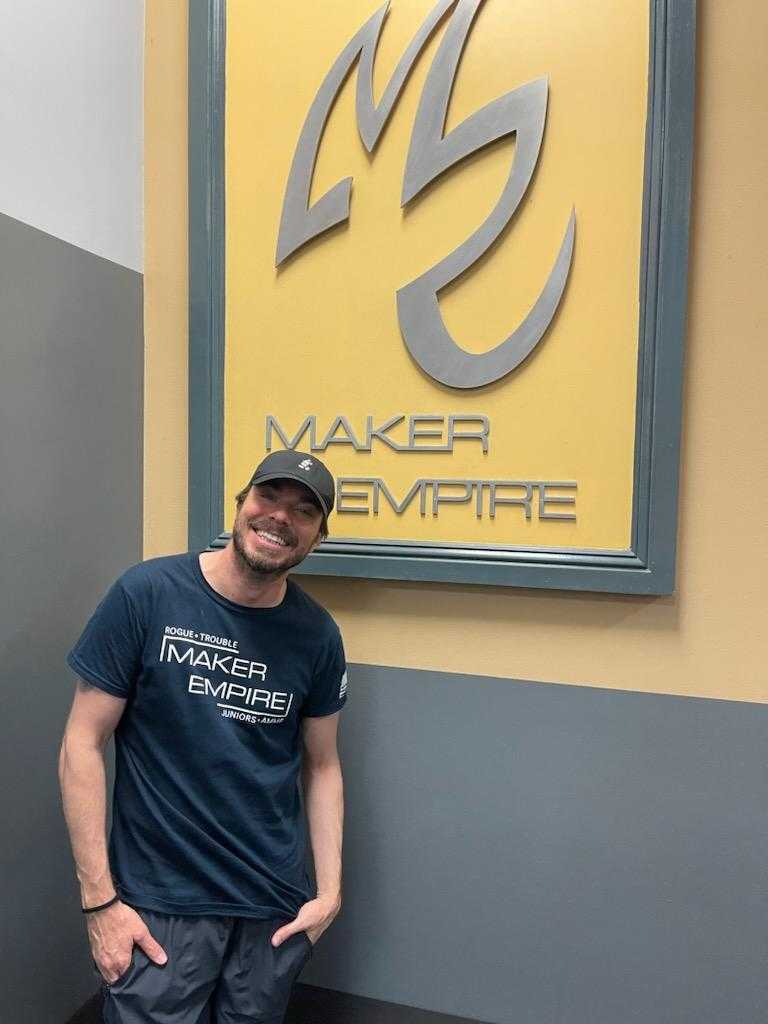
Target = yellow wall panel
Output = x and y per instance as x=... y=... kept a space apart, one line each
x=320 y=335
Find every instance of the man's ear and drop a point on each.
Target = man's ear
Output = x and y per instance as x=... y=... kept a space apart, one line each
x=318 y=540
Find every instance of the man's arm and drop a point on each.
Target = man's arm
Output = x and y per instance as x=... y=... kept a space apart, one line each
x=324 y=802
x=92 y=720
x=113 y=931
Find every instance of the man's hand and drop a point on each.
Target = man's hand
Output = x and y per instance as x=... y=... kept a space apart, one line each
x=112 y=933
x=313 y=918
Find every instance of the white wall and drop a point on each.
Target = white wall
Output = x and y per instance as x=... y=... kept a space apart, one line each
x=71 y=121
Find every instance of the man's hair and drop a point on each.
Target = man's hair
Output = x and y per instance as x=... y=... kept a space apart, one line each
x=242 y=495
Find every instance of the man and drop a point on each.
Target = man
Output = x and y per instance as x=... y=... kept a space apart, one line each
x=213 y=670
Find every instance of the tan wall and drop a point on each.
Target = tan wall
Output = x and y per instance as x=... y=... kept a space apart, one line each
x=706 y=640
x=165 y=277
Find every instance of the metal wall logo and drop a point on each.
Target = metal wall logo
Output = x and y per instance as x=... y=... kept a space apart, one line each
x=522 y=111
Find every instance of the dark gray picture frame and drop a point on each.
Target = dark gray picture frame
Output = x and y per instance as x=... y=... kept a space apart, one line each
x=648 y=567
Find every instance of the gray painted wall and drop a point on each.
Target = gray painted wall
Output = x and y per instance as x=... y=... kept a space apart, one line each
x=70 y=423
x=525 y=853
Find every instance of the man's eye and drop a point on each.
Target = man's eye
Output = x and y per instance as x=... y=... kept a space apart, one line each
x=306 y=511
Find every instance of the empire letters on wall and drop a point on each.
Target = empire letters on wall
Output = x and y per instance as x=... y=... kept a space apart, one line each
x=445 y=244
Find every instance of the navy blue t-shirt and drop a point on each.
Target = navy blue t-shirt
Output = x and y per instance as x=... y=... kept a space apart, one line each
x=207 y=815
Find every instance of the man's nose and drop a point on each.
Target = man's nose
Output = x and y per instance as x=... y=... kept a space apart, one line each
x=279 y=514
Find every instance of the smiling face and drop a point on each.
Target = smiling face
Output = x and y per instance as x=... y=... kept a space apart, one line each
x=277 y=525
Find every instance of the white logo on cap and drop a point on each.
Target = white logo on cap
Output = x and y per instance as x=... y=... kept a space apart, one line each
x=305 y=464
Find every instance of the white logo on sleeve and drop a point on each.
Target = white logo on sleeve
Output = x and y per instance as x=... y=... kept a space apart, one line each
x=343 y=686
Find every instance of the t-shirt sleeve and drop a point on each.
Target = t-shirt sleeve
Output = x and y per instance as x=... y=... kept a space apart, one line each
x=329 y=687
x=108 y=654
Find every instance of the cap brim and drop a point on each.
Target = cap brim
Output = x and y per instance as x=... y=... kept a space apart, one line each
x=262 y=479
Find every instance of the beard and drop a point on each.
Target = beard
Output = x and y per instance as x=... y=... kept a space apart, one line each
x=260 y=563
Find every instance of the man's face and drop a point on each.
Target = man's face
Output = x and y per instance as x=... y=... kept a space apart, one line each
x=276 y=527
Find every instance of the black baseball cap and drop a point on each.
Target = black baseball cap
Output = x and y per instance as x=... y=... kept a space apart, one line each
x=305 y=469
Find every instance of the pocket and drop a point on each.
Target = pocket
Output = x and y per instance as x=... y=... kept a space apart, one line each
x=305 y=939
x=124 y=976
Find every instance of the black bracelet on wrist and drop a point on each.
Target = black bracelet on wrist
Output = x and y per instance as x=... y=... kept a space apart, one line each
x=103 y=906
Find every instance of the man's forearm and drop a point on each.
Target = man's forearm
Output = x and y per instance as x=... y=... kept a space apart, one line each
x=324 y=802
x=83 y=790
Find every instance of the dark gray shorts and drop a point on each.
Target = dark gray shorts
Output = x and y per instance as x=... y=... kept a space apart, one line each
x=220 y=970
